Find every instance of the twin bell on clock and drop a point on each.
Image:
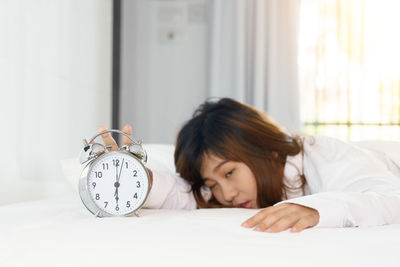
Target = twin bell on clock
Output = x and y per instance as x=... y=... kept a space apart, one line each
x=113 y=183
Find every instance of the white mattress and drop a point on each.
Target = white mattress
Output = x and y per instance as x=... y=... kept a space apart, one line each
x=61 y=232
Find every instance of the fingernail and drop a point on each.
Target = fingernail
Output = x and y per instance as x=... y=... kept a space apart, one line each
x=257 y=229
x=245 y=224
x=269 y=230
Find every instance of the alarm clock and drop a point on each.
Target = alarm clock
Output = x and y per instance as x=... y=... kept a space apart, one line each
x=113 y=183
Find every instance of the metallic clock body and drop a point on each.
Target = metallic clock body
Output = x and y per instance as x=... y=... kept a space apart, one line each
x=91 y=158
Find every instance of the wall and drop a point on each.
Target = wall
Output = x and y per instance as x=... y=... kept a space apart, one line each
x=55 y=80
x=164 y=57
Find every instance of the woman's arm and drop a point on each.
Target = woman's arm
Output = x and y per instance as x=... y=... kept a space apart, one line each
x=349 y=209
x=349 y=186
x=168 y=191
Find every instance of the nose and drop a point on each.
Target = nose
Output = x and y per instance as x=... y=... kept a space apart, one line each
x=229 y=191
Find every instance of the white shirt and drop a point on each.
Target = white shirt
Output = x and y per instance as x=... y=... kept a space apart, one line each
x=347 y=184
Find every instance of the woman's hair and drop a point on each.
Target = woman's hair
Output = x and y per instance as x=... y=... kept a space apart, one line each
x=236 y=132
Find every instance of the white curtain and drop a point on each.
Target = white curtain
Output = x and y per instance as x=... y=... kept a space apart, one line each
x=55 y=80
x=253 y=55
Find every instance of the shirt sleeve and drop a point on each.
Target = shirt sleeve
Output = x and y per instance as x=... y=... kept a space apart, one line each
x=349 y=187
x=170 y=192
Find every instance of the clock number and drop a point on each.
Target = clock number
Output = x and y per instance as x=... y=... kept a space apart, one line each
x=126 y=163
x=135 y=173
x=105 y=166
x=135 y=195
x=138 y=184
x=128 y=204
x=98 y=174
x=94 y=185
x=116 y=162
x=97 y=196
x=117 y=208
x=105 y=202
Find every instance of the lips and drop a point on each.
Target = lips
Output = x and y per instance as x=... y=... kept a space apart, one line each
x=245 y=205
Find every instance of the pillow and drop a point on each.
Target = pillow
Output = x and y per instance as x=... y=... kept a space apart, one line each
x=160 y=157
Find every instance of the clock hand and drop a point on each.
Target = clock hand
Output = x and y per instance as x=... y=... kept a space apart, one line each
x=116 y=184
x=116 y=195
x=120 y=170
x=116 y=171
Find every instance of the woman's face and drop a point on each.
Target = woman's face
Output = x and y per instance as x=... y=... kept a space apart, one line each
x=232 y=183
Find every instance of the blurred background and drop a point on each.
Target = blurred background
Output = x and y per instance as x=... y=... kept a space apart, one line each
x=326 y=67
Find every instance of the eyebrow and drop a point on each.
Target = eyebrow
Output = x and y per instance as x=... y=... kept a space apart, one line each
x=216 y=168
x=219 y=165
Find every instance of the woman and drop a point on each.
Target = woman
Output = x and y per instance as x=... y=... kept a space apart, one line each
x=232 y=155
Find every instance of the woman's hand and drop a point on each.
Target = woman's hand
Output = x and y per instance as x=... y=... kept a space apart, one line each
x=281 y=217
x=109 y=141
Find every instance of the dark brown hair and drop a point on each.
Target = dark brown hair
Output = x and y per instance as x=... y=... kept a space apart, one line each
x=237 y=132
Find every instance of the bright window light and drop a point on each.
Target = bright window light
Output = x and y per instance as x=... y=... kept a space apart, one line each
x=349 y=63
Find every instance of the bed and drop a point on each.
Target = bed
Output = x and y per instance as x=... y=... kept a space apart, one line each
x=61 y=232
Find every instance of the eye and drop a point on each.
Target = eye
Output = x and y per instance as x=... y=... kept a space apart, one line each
x=229 y=173
x=208 y=182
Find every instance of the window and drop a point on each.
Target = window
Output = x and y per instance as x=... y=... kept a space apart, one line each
x=349 y=63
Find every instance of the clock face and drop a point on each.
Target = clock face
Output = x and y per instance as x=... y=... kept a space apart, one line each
x=118 y=183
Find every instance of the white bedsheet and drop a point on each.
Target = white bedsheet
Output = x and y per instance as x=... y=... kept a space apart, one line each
x=61 y=232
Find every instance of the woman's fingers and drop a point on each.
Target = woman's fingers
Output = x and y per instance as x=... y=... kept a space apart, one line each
x=276 y=221
x=304 y=223
x=125 y=140
x=107 y=138
x=260 y=216
x=281 y=224
x=281 y=217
